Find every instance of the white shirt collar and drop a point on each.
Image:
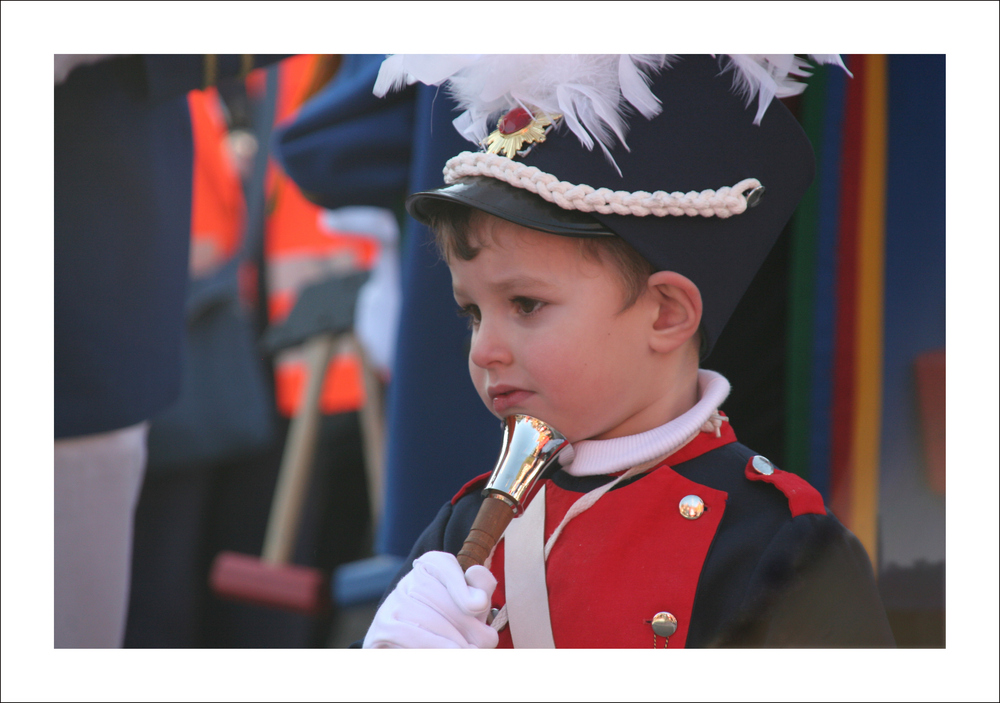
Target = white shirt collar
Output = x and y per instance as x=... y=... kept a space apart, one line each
x=593 y=457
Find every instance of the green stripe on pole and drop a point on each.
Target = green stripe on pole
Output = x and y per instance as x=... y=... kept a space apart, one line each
x=802 y=293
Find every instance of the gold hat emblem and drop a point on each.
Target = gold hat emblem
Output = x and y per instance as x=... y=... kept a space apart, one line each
x=515 y=129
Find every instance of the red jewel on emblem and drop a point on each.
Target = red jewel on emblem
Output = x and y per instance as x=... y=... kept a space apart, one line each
x=517 y=128
x=515 y=120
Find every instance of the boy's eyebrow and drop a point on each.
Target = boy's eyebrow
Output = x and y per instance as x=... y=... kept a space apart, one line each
x=516 y=282
x=507 y=285
x=520 y=282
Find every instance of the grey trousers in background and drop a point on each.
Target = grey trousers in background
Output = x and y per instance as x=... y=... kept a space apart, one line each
x=97 y=483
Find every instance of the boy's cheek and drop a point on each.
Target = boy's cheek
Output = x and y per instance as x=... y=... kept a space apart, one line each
x=476 y=374
x=478 y=377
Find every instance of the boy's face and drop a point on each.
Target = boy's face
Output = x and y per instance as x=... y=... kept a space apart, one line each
x=549 y=337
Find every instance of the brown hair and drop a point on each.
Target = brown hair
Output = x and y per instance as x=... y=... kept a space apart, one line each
x=453 y=223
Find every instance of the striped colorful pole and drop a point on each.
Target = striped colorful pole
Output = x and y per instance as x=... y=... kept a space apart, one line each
x=834 y=381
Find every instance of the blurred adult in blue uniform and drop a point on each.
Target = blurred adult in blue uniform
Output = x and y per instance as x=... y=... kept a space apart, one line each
x=123 y=180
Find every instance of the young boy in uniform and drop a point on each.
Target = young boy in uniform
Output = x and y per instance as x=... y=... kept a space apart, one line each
x=594 y=282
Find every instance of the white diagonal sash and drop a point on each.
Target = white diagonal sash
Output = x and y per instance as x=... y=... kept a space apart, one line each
x=524 y=576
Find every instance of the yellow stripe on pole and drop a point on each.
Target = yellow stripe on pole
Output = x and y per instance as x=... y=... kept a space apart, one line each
x=867 y=415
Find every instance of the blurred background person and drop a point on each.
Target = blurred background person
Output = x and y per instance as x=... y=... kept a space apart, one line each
x=122 y=184
x=216 y=454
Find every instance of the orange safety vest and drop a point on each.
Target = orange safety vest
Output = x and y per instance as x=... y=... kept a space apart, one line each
x=299 y=251
x=218 y=209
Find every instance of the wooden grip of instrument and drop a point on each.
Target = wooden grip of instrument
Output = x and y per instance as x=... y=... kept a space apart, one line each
x=493 y=517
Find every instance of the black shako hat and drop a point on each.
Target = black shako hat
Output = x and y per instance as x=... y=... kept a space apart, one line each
x=705 y=186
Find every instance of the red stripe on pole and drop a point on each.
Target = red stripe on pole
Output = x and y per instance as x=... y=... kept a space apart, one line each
x=846 y=301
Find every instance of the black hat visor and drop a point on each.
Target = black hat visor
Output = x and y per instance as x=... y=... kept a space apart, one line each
x=508 y=203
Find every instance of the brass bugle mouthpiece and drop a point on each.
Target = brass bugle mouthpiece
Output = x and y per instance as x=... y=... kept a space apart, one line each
x=529 y=449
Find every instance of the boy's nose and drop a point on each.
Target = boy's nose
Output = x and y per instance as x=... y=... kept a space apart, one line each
x=489 y=346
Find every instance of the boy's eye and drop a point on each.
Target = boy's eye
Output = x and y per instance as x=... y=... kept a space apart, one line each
x=471 y=313
x=527 y=306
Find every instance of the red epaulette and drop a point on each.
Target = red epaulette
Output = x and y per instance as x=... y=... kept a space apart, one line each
x=803 y=499
x=475 y=484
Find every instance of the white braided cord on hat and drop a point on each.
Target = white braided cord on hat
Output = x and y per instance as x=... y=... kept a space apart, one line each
x=723 y=202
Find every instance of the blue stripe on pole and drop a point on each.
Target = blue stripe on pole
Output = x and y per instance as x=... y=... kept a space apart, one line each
x=825 y=283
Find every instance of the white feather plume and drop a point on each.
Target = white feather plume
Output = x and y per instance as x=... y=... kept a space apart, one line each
x=767 y=76
x=593 y=93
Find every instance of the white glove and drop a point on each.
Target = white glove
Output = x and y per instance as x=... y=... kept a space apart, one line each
x=436 y=606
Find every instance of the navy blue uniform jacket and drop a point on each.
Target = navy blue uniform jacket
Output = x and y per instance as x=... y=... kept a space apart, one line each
x=765 y=566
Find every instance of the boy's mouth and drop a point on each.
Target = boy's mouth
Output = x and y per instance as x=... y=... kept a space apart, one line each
x=506 y=397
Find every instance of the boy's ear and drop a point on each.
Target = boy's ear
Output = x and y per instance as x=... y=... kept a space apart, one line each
x=677 y=303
